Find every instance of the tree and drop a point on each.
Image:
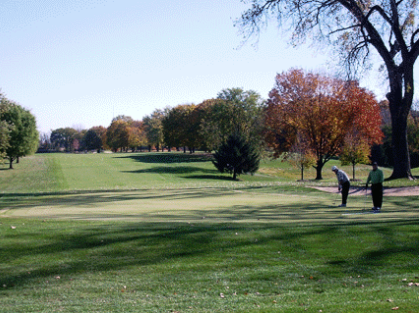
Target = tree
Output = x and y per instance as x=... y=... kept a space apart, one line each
x=154 y=129
x=136 y=135
x=23 y=135
x=5 y=128
x=321 y=110
x=300 y=155
x=236 y=156
x=63 y=138
x=234 y=111
x=354 y=26
x=175 y=125
x=355 y=150
x=93 y=138
x=117 y=135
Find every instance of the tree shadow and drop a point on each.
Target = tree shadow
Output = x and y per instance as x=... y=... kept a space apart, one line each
x=102 y=247
x=168 y=157
x=172 y=170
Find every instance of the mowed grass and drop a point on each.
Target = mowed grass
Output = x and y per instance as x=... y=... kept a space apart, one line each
x=167 y=233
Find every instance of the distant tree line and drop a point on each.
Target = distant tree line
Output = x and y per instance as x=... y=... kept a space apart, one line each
x=307 y=120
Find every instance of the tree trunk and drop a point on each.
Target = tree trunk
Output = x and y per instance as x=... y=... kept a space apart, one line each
x=399 y=109
x=17 y=160
x=234 y=174
x=401 y=167
x=319 y=167
x=353 y=171
x=11 y=163
x=302 y=173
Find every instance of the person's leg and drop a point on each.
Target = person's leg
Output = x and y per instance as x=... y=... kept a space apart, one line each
x=345 y=192
x=379 y=195
x=374 y=193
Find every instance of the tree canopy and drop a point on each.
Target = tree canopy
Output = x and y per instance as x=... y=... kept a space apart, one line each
x=236 y=156
x=18 y=128
x=356 y=28
x=319 y=111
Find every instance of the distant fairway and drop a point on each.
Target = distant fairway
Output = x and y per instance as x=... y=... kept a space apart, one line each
x=165 y=232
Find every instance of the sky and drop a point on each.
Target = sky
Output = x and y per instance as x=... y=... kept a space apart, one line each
x=79 y=63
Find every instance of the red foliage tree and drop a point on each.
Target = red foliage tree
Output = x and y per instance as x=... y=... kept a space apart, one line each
x=321 y=110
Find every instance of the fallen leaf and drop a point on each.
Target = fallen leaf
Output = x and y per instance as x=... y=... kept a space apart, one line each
x=311 y=277
x=410 y=284
x=57 y=277
x=417 y=284
x=221 y=295
x=395 y=308
x=389 y=300
x=13 y=227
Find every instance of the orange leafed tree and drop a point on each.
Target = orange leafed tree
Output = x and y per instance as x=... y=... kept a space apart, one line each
x=321 y=110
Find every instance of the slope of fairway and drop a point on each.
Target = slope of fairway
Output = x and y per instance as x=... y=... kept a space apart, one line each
x=164 y=232
x=61 y=172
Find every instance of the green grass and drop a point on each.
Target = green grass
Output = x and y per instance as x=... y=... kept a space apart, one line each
x=167 y=233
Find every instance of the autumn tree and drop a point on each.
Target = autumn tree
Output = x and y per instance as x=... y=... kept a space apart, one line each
x=357 y=28
x=176 y=125
x=117 y=135
x=136 y=135
x=355 y=150
x=321 y=110
x=300 y=156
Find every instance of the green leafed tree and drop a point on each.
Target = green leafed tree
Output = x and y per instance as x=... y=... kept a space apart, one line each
x=154 y=129
x=233 y=111
x=237 y=156
x=93 y=138
x=5 y=129
x=362 y=32
x=23 y=135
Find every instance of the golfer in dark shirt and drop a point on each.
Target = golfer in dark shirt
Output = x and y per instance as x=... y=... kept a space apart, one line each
x=344 y=184
x=376 y=177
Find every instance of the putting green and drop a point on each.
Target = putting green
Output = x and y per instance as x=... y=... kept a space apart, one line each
x=194 y=205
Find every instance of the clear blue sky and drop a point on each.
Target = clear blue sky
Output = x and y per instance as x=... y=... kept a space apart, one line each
x=79 y=63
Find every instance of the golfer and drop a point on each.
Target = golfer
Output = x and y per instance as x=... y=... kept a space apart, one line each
x=376 y=177
x=344 y=184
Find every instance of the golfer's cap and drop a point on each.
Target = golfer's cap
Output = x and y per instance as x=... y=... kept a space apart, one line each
x=334 y=168
x=374 y=163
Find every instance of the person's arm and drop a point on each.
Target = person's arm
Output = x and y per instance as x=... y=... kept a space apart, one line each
x=381 y=176
x=368 y=180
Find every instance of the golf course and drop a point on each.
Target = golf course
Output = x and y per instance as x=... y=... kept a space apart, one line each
x=167 y=232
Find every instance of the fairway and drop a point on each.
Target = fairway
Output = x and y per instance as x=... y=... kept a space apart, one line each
x=165 y=232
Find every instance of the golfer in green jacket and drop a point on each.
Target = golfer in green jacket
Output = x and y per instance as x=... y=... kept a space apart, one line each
x=376 y=177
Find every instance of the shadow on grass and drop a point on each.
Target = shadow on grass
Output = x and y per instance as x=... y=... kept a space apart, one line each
x=168 y=157
x=92 y=248
x=173 y=170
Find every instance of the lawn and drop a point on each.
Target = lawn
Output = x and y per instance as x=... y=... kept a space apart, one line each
x=167 y=233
